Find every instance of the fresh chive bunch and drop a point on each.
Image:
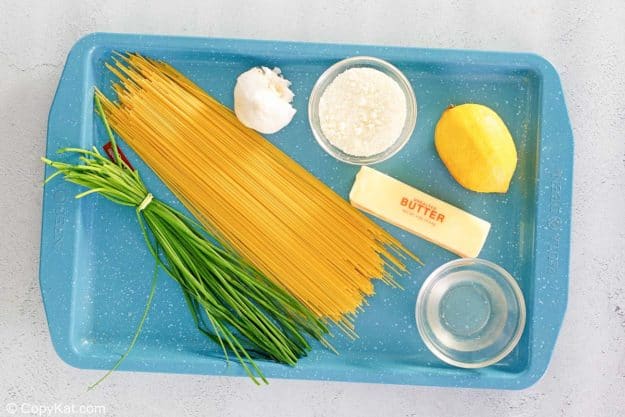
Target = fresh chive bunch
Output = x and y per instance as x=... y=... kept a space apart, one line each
x=231 y=302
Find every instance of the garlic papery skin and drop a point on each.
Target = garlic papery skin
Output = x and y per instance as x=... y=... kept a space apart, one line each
x=262 y=100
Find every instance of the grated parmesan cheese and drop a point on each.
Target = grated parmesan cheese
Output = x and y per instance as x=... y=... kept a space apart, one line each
x=362 y=111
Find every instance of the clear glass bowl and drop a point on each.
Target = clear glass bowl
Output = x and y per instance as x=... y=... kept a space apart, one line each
x=358 y=62
x=470 y=313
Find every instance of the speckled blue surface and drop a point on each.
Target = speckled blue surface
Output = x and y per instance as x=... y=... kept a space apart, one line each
x=95 y=269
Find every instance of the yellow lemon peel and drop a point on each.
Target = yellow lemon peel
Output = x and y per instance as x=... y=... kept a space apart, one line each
x=476 y=147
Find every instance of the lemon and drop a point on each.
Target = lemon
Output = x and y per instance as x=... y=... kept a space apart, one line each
x=476 y=147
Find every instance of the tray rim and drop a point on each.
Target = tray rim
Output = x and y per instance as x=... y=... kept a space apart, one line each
x=554 y=209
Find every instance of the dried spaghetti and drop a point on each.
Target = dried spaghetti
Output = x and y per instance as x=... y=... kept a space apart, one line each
x=240 y=186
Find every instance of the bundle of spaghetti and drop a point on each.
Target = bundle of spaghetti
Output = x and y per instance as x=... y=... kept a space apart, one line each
x=275 y=213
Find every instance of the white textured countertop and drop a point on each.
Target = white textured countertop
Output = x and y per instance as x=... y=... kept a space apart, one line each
x=584 y=40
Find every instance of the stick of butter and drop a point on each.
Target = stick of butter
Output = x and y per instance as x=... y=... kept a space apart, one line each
x=416 y=212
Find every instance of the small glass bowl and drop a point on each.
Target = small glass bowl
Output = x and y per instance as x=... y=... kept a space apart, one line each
x=358 y=62
x=470 y=313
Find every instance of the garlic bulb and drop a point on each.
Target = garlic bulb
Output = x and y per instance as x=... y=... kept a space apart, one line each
x=262 y=100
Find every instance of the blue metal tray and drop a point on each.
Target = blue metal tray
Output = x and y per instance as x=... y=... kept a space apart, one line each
x=95 y=269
